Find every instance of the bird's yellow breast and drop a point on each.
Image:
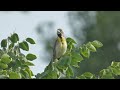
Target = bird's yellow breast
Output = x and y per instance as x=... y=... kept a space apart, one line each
x=62 y=40
x=61 y=47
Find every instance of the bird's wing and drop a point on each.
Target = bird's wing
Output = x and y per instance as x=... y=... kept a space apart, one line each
x=54 y=50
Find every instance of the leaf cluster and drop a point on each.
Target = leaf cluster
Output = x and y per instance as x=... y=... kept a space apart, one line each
x=13 y=63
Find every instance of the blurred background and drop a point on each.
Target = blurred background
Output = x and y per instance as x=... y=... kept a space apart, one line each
x=82 y=26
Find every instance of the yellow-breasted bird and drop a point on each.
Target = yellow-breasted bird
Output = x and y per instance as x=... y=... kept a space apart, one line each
x=60 y=45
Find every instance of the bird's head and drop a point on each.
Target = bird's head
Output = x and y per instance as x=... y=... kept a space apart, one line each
x=60 y=33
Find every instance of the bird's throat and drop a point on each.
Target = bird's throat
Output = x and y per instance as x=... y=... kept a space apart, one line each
x=61 y=39
x=59 y=35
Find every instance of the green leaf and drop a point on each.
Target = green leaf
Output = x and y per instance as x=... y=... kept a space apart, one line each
x=50 y=75
x=75 y=59
x=30 y=40
x=77 y=56
x=70 y=44
x=74 y=63
x=12 y=55
x=115 y=71
x=4 y=43
x=63 y=62
x=1 y=52
x=91 y=47
x=69 y=72
x=115 y=64
x=106 y=74
x=24 y=66
x=14 y=38
x=70 y=40
x=50 y=66
x=5 y=59
x=24 y=45
x=81 y=77
x=3 y=66
x=21 y=56
x=14 y=75
x=42 y=75
x=103 y=72
x=29 y=64
x=97 y=43
x=4 y=72
x=24 y=74
x=31 y=57
x=11 y=45
x=18 y=63
x=88 y=75
x=29 y=72
x=85 y=51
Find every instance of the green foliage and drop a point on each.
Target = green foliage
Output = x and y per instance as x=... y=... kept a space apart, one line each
x=13 y=63
x=64 y=68
x=14 y=38
x=75 y=59
x=85 y=51
x=30 y=57
x=86 y=75
x=14 y=75
x=109 y=73
x=69 y=72
x=3 y=65
x=29 y=64
x=4 y=43
x=97 y=44
x=24 y=46
x=91 y=47
x=30 y=40
x=97 y=25
x=71 y=43
x=5 y=58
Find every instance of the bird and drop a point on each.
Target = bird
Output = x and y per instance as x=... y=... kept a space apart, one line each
x=60 y=46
